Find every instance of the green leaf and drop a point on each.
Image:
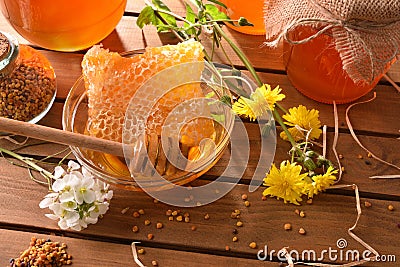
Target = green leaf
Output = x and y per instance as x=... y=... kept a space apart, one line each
x=197 y=3
x=210 y=95
x=215 y=13
x=168 y=18
x=191 y=17
x=218 y=3
x=218 y=117
x=147 y=17
x=226 y=100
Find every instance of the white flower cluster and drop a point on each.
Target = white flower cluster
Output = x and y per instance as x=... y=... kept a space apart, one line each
x=78 y=199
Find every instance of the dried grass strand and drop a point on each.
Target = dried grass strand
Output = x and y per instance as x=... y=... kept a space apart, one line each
x=335 y=141
x=12 y=140
x=349 y=125
x=135 y=255
x=387 y=176
x=387 y=77
x=350 y=232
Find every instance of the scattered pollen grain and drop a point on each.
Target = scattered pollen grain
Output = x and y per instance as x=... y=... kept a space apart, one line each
x=287 y=226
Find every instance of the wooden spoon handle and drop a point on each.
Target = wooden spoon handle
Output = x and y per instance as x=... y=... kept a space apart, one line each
x=59 y=136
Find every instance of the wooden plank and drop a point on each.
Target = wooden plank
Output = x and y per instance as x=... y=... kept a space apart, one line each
x=379 y=116
x=356 y=170
x=326 y=220
x=175 y=5
x=89 y=253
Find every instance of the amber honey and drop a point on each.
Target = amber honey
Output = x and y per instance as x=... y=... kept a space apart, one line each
x=251 y=10
x=316 y=70
x=115 y=165
x=63 y=25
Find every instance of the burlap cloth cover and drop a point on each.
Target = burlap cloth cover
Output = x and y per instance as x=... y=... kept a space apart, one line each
x=366 y=32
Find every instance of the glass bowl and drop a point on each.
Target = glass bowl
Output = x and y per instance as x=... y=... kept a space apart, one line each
x=114 y=170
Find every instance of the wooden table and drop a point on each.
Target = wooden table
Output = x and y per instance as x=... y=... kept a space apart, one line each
x=327 y=219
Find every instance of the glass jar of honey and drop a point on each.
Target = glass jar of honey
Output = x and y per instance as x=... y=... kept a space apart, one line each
x=252 y=11
x=63 y=25
x=27 y=81
x=315 y=68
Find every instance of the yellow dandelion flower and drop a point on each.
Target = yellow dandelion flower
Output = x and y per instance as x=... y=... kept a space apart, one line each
x=262 y=98
x=302 y=121
x=247 y=108
x=286 y=183
x=321 y=182
x=271 y=96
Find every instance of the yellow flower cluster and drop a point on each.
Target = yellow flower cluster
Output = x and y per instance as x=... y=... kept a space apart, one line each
x=260 y=100
x=286 y=183
x=304 y=123
x=290 y=184
x=290 y=181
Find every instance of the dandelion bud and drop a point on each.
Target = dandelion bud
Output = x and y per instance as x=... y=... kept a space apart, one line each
x=309 y=164
x=311 y=154
x=244 y=22
x=321 y=161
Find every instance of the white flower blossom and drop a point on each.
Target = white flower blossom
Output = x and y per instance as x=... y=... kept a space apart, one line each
x=78 y=199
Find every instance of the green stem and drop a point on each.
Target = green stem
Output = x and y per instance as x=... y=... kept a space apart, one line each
x=251 y=69
x=239 y=53
x=282 y=124
x=281 y=108
x=225 y=54
x=36 y=167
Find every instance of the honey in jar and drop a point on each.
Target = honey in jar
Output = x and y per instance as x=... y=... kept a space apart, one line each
x=316 y=70
x=251 y=10
x=63 y=25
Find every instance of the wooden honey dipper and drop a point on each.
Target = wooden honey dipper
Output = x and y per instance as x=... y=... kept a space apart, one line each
x=60 y=136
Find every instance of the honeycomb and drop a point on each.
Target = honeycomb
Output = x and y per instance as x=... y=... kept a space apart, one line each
x=112 y=80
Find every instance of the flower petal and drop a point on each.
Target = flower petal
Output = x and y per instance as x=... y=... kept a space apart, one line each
x=58 y=185
x=63 y=224
x=89 y=196
x=46 y=202
x=52 y=216
x=72 y=165
x=58 y=172
x=66 y=197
